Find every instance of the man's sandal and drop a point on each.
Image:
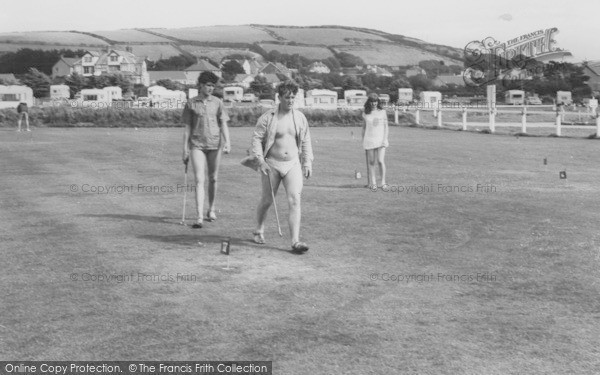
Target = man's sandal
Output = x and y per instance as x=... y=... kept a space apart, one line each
x=299 y=247
x=259 y=238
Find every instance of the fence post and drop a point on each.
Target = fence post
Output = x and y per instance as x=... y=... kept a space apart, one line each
x=396 y=115
x=439 y=118
x=524 y=120
x=558 y=116
x=464 y=118
x=417 y=117
x=597 y=125
x=492 y=120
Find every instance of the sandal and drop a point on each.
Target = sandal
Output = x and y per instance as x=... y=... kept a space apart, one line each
x=259 y=238
x=211 y=216
x=299 y=247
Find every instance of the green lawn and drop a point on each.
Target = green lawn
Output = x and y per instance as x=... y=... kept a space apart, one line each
x=498 y=282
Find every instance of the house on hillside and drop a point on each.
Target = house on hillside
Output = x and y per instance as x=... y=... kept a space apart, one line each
x=319 y=67
x=415 y=71
x=255 y=67
x=275 y=68
x=352 y=72
x=174 y=75
x=382 y=72
x=243 y=80
x=445 y=80
x=592 y=69
x=272 y=79
x=94 y=63
x=64 y=66
x=193 y=72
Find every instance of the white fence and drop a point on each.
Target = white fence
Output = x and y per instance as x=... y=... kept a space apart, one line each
x=521 y=111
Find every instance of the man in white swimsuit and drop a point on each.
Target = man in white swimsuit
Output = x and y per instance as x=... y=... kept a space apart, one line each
x=282 y=151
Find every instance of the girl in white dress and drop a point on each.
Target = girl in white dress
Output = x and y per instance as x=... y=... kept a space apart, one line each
x=375 y=138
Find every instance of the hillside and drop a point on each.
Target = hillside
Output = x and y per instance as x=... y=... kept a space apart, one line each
x=314 y=42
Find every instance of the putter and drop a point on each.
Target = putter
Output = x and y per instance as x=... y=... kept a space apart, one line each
x=274 y=203
x=184 y=194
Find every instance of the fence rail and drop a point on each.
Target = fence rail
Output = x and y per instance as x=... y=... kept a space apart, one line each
x=559 y=117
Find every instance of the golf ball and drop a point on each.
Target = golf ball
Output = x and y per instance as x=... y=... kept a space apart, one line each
x=200 y=243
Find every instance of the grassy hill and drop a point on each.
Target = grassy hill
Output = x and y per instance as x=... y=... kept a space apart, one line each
x=317 y=42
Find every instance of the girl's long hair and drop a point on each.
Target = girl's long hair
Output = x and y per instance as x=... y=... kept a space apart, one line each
x=372 y=98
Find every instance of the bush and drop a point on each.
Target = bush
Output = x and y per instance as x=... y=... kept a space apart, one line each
x=66 y=116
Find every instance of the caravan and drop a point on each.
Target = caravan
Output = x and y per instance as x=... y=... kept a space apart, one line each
x=12 y=96
x=233 y=94
x=355 y=98
x=514 y=97
x=58 y=92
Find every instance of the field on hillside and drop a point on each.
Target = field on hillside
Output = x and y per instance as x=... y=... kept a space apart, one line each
x=217 y=54
x=321 y=35
x=308 y=52
x=389 y=54
x=475 y=259
x=130 y=36
x=153 y=52
x=226 y=34
x=54 y=37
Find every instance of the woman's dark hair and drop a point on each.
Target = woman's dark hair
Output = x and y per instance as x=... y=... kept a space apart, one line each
x=372 y=98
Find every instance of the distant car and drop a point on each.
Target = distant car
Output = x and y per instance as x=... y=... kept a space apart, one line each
x=249 y=98
x=534 y=100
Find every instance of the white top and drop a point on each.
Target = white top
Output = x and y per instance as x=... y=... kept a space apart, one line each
x=376 y=130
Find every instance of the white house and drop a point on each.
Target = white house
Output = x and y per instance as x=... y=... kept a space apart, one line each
x=355 y=98
x=430 y=99
x=321 y=99
x=11 y=96
x=244 y=80
x=319 y=67
x=193 y=72
x=58 y=92
x=113 y=61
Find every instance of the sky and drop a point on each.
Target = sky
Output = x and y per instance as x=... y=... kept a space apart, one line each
x=453 y=23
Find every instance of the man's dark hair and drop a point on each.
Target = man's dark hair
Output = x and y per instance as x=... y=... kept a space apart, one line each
x=287 y=87
x=207 y=77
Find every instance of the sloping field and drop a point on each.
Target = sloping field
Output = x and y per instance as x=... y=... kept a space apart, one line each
x=321 y=35
x=55 y=37
x=390 y=54
x=225 y=34
x=151 y=51
x=217 y=53
x=130 y=36
x=308 y=52
x=11 y=47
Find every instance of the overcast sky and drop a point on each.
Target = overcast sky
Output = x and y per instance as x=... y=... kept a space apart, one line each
x=453 y=23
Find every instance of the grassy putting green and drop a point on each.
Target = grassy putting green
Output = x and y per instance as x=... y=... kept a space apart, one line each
x=430 y=278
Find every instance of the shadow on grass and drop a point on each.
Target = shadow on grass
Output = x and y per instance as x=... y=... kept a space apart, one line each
x=192 y=240
x=149 y=219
